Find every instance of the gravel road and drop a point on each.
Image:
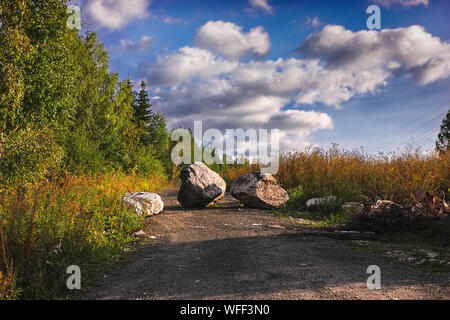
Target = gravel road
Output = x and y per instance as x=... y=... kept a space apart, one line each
x=227 y=252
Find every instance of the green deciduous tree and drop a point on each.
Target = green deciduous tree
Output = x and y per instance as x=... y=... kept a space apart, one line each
x=55 y=85
x=37 y=75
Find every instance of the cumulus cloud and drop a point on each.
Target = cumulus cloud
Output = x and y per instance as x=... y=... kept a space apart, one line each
x=184 y=64
x=408 y=50
x=228 y=94
x=314 y=22
x=130 y=45
x=404 y=3
x=230 y=40
x=336 y=65
x=115 y=14
x=261 y=5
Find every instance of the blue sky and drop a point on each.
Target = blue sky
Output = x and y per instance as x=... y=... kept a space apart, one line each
x=202 y=61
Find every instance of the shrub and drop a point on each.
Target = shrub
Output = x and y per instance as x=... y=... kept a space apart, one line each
x=146 y=162
x=46 y=227
x=297 y=199
x=28 y=155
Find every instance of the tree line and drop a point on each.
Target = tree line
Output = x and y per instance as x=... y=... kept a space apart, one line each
x=62 y=109
x=60 y=106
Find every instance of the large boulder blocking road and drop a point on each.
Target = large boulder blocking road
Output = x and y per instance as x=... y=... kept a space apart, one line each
x=259 y=191
x=200 y=186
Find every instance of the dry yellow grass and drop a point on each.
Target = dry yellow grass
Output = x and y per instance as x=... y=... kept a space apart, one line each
x=350 y=175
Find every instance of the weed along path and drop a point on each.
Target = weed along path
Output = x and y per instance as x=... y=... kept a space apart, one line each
x=228 y=252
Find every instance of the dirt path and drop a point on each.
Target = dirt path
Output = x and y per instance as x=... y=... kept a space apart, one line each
x=231 y=253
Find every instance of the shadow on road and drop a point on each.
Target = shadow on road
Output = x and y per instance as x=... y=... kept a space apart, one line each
x=269 y=267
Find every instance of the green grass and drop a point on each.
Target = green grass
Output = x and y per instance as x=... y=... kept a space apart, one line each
x=49 y=226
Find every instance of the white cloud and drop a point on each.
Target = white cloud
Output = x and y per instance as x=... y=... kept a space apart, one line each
x=130 y=45
x=404 y=3
x=115 y=14
x=186 y=63
x=408 y=50
x=172 y=20
x=226 y=94
x=314 y=22
x=228 y=39
x=261 y=5
x=337 y=65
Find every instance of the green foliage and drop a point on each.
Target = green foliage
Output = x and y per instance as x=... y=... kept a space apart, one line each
x=37 y=68
x=443 y=142
x=28 y=155
x=46 y=227
x=83 y=153
x=152 y=127
x=158 y=137
x=62 y=110
x=142 y=112
x=146 y=162
x=297 y=199
x=52 y=75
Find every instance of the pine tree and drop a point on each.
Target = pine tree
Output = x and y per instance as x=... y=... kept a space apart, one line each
x=142 y=112
x=153 y=126
x=443 y=142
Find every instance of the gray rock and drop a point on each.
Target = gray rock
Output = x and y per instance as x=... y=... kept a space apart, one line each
x=318 y=202
x=259 y=191
x=353 y=207
x=143 y=203
x=385 y=206
x=200 y=186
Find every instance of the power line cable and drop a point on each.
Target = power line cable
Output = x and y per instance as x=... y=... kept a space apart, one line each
x=416 y=120
x=412 y=131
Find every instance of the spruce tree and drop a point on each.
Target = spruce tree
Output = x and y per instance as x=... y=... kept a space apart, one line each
x=142 y=112
x=443 y=142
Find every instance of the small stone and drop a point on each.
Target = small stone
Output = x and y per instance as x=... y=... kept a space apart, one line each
x=421 y=261
x=140 y=233
x=353 y=207
x=275 y=226
x=432 y=255
x=347 y=232
x=318 y=202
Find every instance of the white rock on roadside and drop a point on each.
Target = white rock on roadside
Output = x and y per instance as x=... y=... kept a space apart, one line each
x=144 y=204
x=316 y=202
x=140 y=233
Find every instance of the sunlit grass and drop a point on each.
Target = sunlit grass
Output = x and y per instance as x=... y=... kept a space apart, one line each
x=70 y=220
x=357 y=176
